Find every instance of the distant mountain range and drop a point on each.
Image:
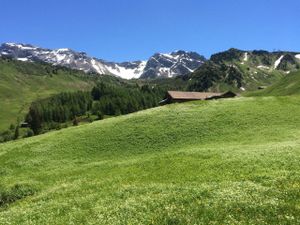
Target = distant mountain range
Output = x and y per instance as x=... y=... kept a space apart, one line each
x=234 y=69
x=159 y=65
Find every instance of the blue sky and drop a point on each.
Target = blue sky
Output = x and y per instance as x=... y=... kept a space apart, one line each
x=123 y=30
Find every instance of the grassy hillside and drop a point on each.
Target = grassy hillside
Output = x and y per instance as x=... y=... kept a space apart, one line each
x=24 y=82
x=21 y=83
x=288 y=85
x=231 y=161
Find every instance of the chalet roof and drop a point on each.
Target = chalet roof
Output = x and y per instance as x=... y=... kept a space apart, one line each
x=192 y=95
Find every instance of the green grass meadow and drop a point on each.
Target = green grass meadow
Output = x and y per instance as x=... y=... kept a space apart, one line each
x=288 y=85
x=21 y=83
x=229 y=161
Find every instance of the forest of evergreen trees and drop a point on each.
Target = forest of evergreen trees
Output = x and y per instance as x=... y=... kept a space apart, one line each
x=104 y=99
x=113 y=100
x=58 y=109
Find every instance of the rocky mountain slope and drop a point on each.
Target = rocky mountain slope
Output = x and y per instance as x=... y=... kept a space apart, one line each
x=159 y=65
x=243 y=70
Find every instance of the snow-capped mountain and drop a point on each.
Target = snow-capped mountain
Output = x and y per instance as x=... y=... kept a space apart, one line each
x=173 y=64
x=159 y=65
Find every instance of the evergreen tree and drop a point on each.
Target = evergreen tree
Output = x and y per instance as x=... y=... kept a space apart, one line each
x=34 y=119
x=17 y=133
x=96 y=93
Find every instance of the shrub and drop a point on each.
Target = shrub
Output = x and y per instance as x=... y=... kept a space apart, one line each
x=6 y=136
x=100 y=116
x=75 y=121
x=29 y=133
x=18 y=191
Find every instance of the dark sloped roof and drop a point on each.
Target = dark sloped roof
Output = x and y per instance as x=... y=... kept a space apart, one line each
x=192 y=95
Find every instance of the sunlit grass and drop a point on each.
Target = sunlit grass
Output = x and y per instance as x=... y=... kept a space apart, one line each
x=231 y=161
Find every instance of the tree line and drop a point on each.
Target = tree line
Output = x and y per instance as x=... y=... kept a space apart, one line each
x=103 y=99
x=114 y=100
x=59 y=108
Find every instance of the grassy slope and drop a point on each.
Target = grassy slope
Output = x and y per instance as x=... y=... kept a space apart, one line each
x=288 y=85
x=21 y=83
x=255 y=77
x=231 y=161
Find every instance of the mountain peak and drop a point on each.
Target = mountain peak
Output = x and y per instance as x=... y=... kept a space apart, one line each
x=172 y=64
x=19 y=45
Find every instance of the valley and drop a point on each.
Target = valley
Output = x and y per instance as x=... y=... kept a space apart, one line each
x=199 y=162
x=156 y=112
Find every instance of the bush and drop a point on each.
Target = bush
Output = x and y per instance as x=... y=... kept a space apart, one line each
x=64 y=126
x=29 y=133
x=75 y=121
x=18 y=191
x=12 y=127
x=100 y=116
x=54 y=126
x=6 y=136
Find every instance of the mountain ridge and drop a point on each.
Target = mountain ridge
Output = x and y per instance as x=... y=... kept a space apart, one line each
x=159 y=65
x=241 y=70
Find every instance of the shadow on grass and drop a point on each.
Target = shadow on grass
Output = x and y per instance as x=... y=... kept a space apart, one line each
x=15 y=193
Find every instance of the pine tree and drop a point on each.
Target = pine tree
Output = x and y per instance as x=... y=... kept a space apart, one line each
x=17 y=133
x=34 y=120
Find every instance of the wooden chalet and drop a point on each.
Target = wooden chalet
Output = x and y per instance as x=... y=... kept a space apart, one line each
x=181 y=96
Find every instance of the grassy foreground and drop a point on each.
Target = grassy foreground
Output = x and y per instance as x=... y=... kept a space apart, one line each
x=231 y=161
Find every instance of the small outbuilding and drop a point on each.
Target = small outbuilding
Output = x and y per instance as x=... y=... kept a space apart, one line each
x=182 y=96
x=24 y=124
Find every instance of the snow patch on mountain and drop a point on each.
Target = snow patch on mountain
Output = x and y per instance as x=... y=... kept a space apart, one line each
x=127 y=73
x=21 y=46
x=60 y=57
x=22 y=59
x=277 y=62
x=63 y=50
x=297 y=56
x=98 y=67
x=263 y=67
x=245 y=56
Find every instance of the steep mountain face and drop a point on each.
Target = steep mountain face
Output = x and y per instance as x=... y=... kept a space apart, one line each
x=243 y=70
x=159 y=65
x=173 y=64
